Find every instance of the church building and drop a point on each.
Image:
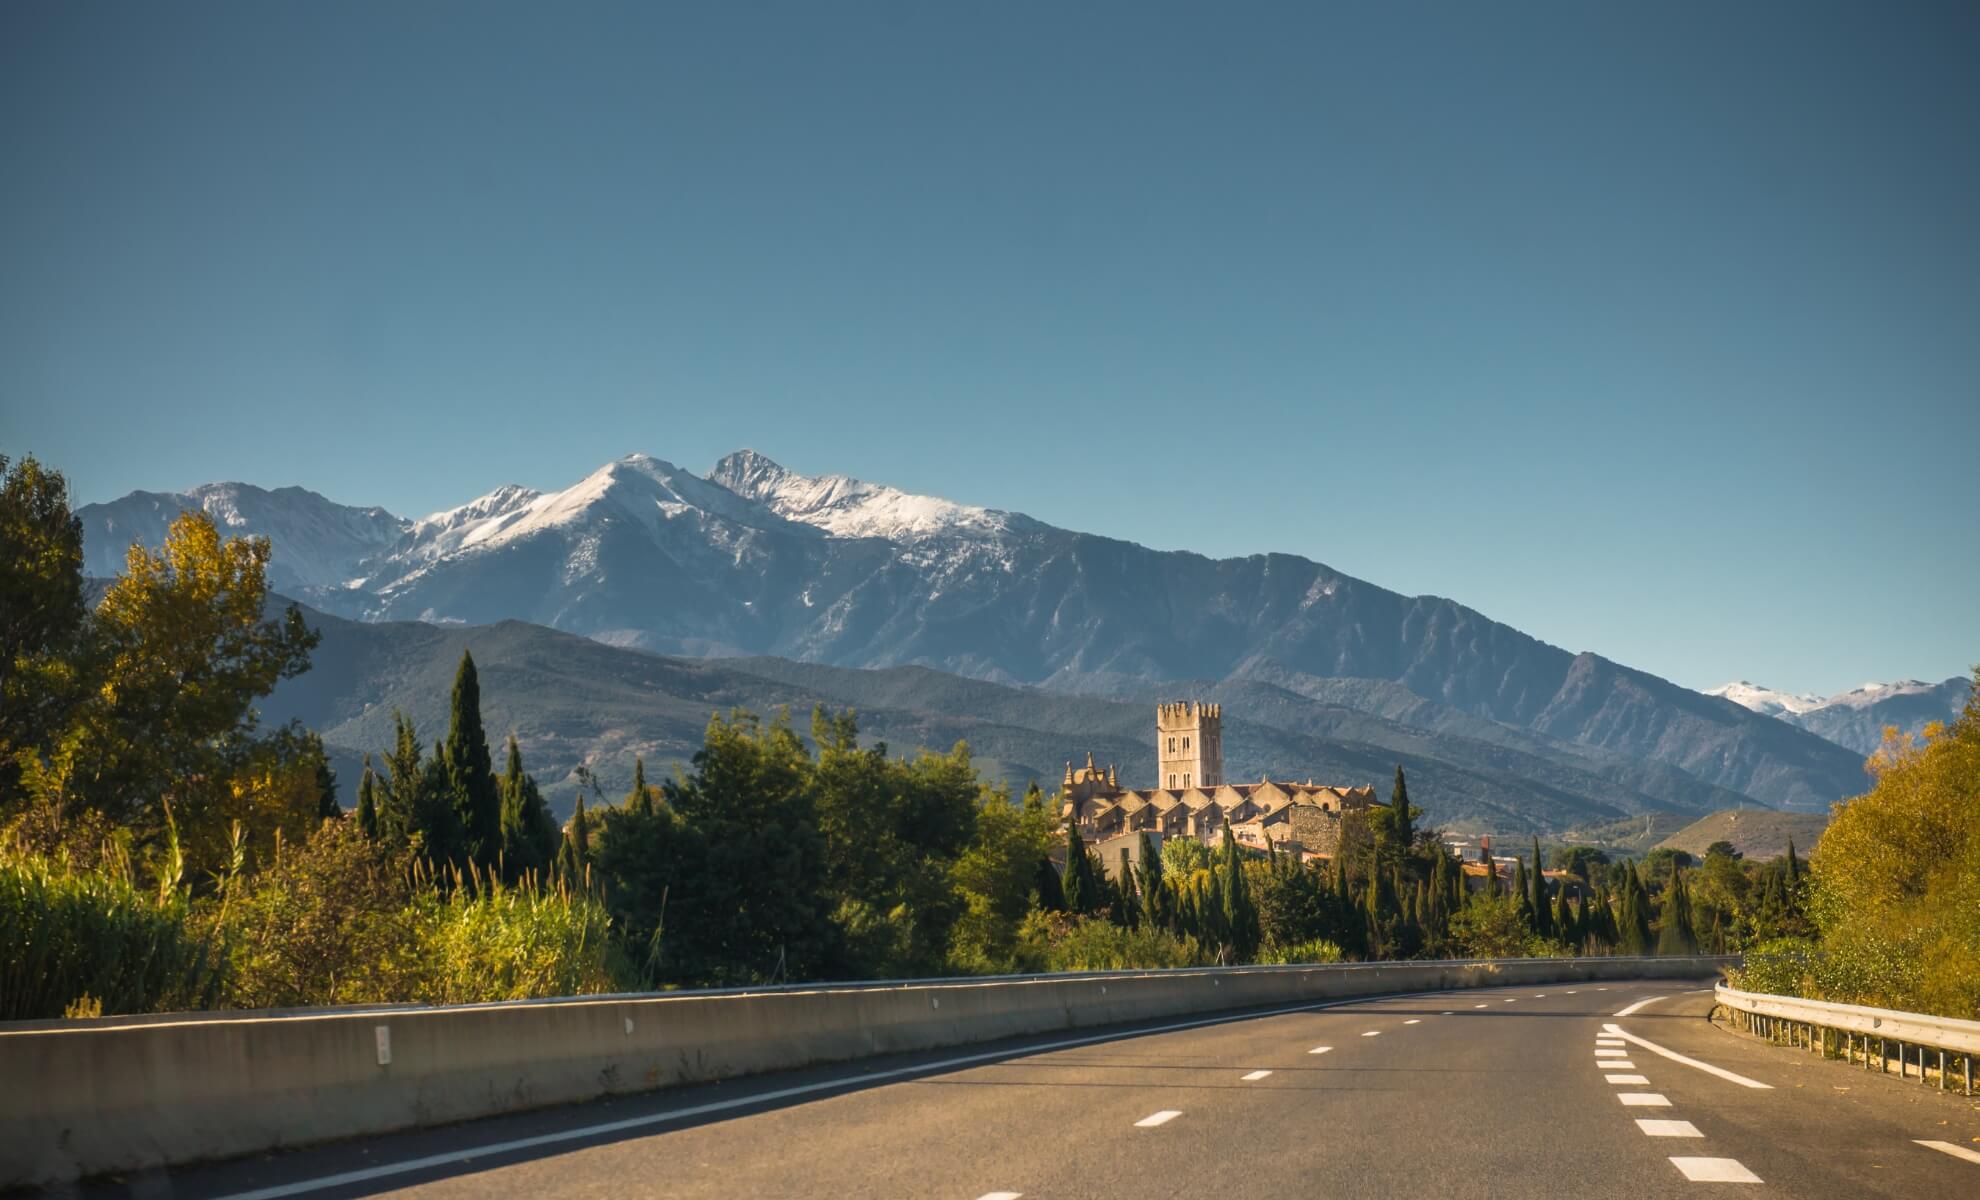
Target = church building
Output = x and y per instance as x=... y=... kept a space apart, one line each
x=1193 y=800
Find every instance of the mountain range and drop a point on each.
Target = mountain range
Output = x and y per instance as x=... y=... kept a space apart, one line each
x=753 y=561
x=1857 y=718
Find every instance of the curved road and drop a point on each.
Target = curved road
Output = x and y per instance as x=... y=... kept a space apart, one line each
x=1586 y=1091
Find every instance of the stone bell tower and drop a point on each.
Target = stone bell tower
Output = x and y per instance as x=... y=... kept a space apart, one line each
x=1189 y=745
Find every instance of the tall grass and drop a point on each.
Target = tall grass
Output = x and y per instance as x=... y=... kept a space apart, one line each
x=89 y=941
x=481 y=939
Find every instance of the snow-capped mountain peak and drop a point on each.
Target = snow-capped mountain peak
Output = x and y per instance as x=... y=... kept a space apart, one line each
x=847 y=507
x=1765 y=700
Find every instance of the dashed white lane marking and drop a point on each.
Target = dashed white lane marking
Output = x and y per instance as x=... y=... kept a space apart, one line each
x=1481 y=1006
x=1573 y=993
x=1714 y=1170
x=1161 y=1118
x=387 y=1170
x=1000 y=1196
x=1319 y=1049
x=1373 y=1033
x=1615 y=1064
x=1445 y=1013
x=1510 y=999
x=1629 y=1080
x=1611 y=1052
x=1674 y=1056
x=1639 y=1004
x=1657 y=1128
x=1972 y=1156
x=1254 y=1076
x=1413 y=1021
x=1601 y=989
x=1540 y=996
x=1643 y=1099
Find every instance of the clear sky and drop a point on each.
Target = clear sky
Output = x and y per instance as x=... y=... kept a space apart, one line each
x=1652 y=330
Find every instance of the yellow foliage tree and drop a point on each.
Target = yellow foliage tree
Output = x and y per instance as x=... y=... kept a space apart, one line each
x=178 y=651
x=1897 y=876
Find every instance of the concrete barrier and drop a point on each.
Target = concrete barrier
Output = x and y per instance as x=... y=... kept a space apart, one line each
x=113 y=1094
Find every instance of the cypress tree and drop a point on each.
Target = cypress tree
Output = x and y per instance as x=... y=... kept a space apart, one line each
x=367 y=810
x=530 y=835
x=1401 y=819
x=1634 y=936
x=1081 y=889
x=1238 y=908
x=470 y=776
x=1543 y=909
x=1564 y=926
x=1491 y=872
x=1045 y=882
x=1522 y=892
x=639 y=799
x=1154 y=895
x=1677 y=935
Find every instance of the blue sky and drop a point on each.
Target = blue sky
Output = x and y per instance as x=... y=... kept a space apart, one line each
x=1653 y=332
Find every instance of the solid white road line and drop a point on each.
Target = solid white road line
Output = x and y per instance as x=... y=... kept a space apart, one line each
x=1632 y=1080
x=1161 y=1118
x=1667 y=1128
x=1972 y=1156
x=1413 y=1021
x=386 y=1171
x=1319 y=1049
x=1639 y=1004
x=1643 y=1099
x=1674 y=1056
x=1714 y=1170
x=1255 y=1076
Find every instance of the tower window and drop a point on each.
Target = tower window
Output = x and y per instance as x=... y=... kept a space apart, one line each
x=1185 y=743
x=1172 y=780
x=1172 y=745
x=1185 y=778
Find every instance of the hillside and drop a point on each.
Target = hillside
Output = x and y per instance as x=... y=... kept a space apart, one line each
x=755 y=560
x=574 y=700
x=1756 y=834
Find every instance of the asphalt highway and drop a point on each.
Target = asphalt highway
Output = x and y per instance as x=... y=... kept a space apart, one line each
x=1585 y=1091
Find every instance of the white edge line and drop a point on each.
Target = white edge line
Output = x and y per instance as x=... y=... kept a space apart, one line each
x=1972 y=1156
x=1674 y=1056
x=387 y=1170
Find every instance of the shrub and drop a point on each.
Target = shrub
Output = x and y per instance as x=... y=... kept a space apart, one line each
x=89 y=942
x=1062 y=942
x=1316 y=950
x=485 y=940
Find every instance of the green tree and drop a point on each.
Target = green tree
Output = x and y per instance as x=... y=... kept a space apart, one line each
x=759 y=909
x=468 y=772
x=1082 y=890
x=1239 y=911
x=1676 y=935
x=1540 y=904
x=42 y=619
x=417 y=810
x=367 y=809
x=530 y=835
x=1003 y=870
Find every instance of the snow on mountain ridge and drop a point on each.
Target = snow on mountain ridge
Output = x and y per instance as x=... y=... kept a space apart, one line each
x=1765 y=700
x=847 y=507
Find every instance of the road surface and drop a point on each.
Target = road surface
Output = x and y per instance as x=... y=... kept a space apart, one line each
x=1586 y=1091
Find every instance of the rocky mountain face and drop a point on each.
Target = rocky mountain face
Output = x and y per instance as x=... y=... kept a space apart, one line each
x=1856 y=719
x=755 y=560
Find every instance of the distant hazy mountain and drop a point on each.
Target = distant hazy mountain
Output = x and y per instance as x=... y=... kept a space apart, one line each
x=318 y=545
x=757 y=560
x=1857 y=718
x=573 y=700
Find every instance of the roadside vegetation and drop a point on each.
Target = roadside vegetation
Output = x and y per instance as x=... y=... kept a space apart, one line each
x=1892 y=901
x=160 y=850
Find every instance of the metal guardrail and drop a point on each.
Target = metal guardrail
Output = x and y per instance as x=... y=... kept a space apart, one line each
x=1876 y=1037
